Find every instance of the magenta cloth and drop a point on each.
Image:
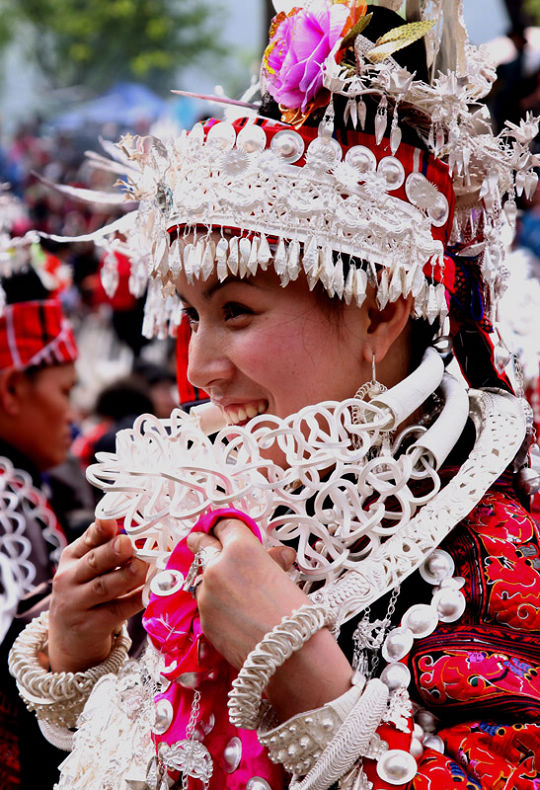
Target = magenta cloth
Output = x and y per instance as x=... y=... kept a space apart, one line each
x=173 y=626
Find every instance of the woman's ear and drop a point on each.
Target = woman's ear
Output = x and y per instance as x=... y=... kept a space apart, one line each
x=387 y=341
x=13 y=388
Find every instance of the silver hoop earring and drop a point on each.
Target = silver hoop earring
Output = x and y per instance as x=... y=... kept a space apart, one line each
x=372 y=388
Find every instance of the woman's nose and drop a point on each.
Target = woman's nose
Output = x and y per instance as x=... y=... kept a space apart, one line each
x=208 y=361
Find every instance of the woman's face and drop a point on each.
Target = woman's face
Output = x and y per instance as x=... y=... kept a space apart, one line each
x=45 y=415
x=257 y=347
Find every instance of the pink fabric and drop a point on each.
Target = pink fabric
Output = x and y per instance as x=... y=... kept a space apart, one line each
x=173 y=625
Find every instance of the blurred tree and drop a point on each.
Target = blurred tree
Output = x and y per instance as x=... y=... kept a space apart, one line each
x=522 y=13
x=100 y=42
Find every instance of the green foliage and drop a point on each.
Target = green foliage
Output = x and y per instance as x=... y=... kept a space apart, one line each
x=99 y=42
x=532 y=9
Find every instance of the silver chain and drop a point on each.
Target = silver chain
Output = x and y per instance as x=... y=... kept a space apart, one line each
x=369 y=636
x=190 y=730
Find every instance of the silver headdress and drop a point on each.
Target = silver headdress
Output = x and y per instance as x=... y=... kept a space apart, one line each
x=333 y=179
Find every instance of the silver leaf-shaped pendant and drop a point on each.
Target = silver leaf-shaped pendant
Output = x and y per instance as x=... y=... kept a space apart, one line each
x=191 y=757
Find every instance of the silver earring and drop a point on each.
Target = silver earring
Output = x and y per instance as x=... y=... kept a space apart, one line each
x=372 y=388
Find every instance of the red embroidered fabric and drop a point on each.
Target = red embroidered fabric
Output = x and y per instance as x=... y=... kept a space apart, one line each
x=482 y=674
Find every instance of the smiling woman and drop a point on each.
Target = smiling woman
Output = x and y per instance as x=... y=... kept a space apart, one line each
x=324 y=359
x=340 y=591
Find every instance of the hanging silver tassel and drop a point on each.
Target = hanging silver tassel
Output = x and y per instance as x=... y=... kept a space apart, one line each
x=234 y=256
x=381 y=119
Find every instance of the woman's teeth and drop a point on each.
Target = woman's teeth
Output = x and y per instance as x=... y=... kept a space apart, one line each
x=239 y=414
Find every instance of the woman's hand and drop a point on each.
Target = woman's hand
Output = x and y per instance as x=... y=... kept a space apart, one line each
x=97 y=586
x=245 y=592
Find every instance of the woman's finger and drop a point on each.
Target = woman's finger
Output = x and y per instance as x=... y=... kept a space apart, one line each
x=104 y=558
x=99 y=532
x=110 y=586
x=199 y=540
x=125 y=607
x=284 y=556
x=228 y=530
x=73 y=602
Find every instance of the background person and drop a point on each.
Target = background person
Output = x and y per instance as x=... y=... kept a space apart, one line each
x=37 y=373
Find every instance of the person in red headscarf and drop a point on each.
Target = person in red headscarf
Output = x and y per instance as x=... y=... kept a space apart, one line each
x=37 y=373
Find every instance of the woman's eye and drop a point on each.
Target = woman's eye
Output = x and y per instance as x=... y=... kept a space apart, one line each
x=191 y=315
x=234 y=310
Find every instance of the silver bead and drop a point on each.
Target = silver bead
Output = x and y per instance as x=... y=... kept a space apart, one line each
x=426 y=720
x=419 y=190
x=397 y=644
x=222 y=135
x=396 y=675
x=397 y=767
x=188 y=680
x=450 y=604
x=418 y=731
x=434 y=742
x=361 y=158
x=258 y=783
x=438 y=566
x=251 y=139
x=163 y=716
x=421 y=619
x=232 y=755
x=455 y=583
x=288 y=145
x=438 y=212
x=416 y=748
x=206 y=727
x=393 y=172
x=166 y=582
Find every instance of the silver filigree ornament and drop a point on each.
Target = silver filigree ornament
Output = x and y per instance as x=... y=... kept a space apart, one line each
x=233 y=162
x=190 y=757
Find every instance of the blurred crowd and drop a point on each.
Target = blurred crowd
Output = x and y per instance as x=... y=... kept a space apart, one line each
x=120 y=374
